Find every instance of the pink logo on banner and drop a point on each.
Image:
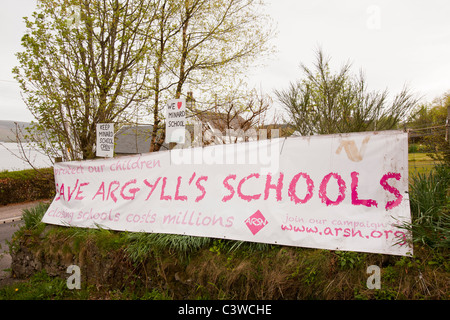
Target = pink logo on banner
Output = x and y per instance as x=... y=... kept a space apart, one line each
x=256 y=222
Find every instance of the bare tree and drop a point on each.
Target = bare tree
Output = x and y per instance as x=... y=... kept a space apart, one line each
x=233 y=120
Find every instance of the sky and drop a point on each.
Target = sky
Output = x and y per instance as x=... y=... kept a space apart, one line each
x=394 y=42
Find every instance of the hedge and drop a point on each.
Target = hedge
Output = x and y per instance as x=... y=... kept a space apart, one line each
x=26 y=185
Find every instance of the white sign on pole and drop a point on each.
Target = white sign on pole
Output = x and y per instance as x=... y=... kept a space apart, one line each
x=105 y=140
x=337 y=192
x=176 y=121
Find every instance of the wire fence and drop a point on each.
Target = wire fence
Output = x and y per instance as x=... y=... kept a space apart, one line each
x=424 y=144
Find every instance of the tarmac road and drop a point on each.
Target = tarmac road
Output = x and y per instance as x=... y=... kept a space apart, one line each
x=10 y=222
x=13 y=212
x=6 y=232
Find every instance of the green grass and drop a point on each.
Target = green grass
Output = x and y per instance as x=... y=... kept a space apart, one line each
x=420 y=163
x=39 y=287
x=141 y=245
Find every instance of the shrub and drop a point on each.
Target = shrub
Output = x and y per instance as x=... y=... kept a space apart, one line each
x=26 y=185
x=430 y=207
x=32 y=217
x=141 y=245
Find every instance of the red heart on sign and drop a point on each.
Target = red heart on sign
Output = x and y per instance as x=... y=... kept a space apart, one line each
x=179 y=104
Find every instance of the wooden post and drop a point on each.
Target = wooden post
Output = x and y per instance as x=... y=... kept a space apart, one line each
x=447 y=125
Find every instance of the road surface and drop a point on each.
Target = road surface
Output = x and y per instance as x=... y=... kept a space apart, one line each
x=10 y=222
x=13 y=212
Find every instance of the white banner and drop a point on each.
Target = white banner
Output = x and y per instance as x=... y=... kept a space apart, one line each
x=338 y=192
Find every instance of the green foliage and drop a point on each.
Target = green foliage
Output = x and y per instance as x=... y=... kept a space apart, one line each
x=430 y=207
x=250 y=247
x=121 y=61
x=417 y=148
x=324 y=102
x=140 y=246
x=218 y=246
x=350 y=260
x=24 y=174
x=430 y=115
x=430 y=121
x=429 y=191
x=210 y=270
x=229 y=246
x=310 y=275
x=32 y=217
x=40 y=287
x=69 y=83
x=153 y=294
x=106 y=240
x=26 y=185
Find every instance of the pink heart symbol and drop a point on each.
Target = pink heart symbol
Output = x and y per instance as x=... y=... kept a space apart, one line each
x=179 y=104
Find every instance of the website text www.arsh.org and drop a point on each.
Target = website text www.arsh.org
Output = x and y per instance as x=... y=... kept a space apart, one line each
x=348 y=232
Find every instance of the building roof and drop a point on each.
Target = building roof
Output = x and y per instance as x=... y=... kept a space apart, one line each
x=136 y=139
x=133 y=139
x=222 y=121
